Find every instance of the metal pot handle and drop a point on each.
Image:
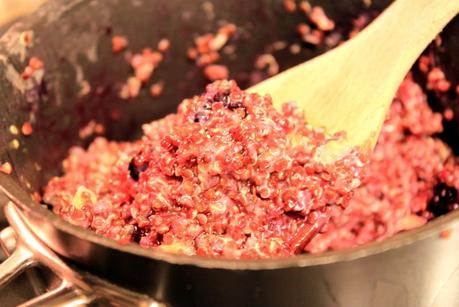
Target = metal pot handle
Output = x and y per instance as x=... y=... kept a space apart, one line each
x=75 y=289
x=26 y=251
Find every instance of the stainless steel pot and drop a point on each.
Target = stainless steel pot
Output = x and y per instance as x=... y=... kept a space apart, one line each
x=416 y=268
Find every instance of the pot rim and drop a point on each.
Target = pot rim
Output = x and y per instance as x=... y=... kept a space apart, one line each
x=34 y=209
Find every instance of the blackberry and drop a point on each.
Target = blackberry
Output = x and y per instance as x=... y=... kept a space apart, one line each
x=444 y=200
x=138 y=233
x=134 y=170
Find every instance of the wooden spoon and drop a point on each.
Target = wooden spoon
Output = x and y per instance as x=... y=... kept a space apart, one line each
x=351 y=87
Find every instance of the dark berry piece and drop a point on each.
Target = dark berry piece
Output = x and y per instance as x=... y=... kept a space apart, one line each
x=444 y=200
x=138 y=233
x=134 y=170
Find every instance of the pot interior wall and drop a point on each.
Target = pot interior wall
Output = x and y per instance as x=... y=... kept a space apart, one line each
x=73 y=38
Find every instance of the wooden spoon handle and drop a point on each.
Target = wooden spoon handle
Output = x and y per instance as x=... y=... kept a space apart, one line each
x=351 y=87
x=396 y=38
x=379 y=58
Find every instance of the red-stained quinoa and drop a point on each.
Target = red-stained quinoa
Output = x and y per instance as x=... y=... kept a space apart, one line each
x=119 y=43
x=27 y=129
x=436 y=80
x=156 y=89
x=206 y=51
x=143 y=64
x=317 y=29
x=320 y=19
x=164 y=45
x=216 y=72
x=35 y=64
x=222 y=177
x=267 y=61
x=289 y=5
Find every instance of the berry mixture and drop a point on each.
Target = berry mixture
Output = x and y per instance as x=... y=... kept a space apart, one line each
x=227 y=175
x=230 y=176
